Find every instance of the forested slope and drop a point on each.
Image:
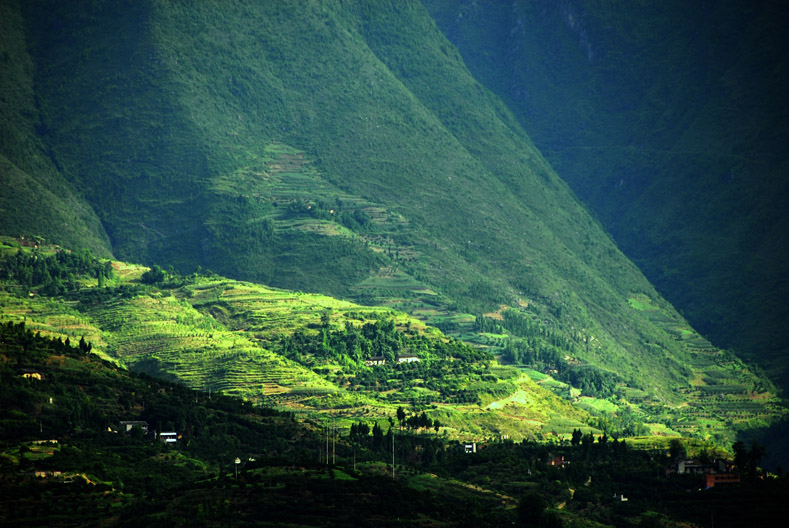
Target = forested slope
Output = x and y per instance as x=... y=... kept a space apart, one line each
x=377 y=169
x=670 y=120
x=35 y=198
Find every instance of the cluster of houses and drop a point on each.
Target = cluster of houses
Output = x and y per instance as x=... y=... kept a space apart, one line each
x=380 y=360
x=168 y=437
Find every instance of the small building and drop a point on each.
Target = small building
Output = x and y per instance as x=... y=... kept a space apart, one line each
x=692 y=466
x=408 y=358
x=470 y=448
x=169 y=437
x=713 y=479
x=128 y=425
x=558 y=461
x=375 y=360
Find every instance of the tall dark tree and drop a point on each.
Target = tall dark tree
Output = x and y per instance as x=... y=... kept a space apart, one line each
x=401 y=416
x=576 y=439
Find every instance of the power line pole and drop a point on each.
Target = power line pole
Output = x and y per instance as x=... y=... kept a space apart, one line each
x=393 y=469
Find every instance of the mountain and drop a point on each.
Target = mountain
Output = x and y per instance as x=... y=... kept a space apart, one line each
x=36 y=198
x=670 y=121
x=344 y=150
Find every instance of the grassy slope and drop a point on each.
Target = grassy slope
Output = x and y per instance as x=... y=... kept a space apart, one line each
x=35 y=199
x=222 y=335
x=219 y=138
x=681 y=154
x=219 y=334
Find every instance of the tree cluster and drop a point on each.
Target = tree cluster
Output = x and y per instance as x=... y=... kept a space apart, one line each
x=54 y=274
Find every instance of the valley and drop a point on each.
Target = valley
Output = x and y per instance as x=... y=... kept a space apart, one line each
x=544 y=229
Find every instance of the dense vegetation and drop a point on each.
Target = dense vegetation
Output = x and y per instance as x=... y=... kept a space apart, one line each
x=54 y=274
x=347 y=149
x=314 y=354
x=36 y=198
x=66 y=459
x=377 y=170
x=670 y=121
x=446 y=371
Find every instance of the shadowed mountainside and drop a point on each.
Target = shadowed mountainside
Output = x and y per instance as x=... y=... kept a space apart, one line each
x=670 y=121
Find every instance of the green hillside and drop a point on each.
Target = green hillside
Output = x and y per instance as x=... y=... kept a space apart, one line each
x=670 y=121
x=81 y=445
x=308 y=353
x=345 y=151
x=302 y=352
x=377 y=170
x=35 y=198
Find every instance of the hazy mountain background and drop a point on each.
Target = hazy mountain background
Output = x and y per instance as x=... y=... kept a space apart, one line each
x=670 y=120
x=361 y=150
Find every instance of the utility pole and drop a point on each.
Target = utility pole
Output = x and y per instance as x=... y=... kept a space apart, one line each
x=333 y=443
x=393 y=471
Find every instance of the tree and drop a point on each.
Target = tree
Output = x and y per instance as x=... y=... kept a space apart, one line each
x=755 y=457
x=401 y=416
x=740 y=456
x=153 y=275
x=531 y=509
x=577 y=435
x=677 y=449
x=378 y=437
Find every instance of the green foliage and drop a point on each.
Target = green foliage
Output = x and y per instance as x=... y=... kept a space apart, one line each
x=309 y=351
x=379 y=170
x=420 y=202
x=293 y=471
x=680 y=154
x=153 y=275
x=53 y=274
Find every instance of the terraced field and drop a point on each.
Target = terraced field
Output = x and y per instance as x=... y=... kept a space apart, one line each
x=217 y=334
x=724 y=393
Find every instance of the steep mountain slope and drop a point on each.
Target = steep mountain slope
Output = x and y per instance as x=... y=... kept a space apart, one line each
x=347 y=150
x=177 y=121
x=670 y=120
x=35 y=199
